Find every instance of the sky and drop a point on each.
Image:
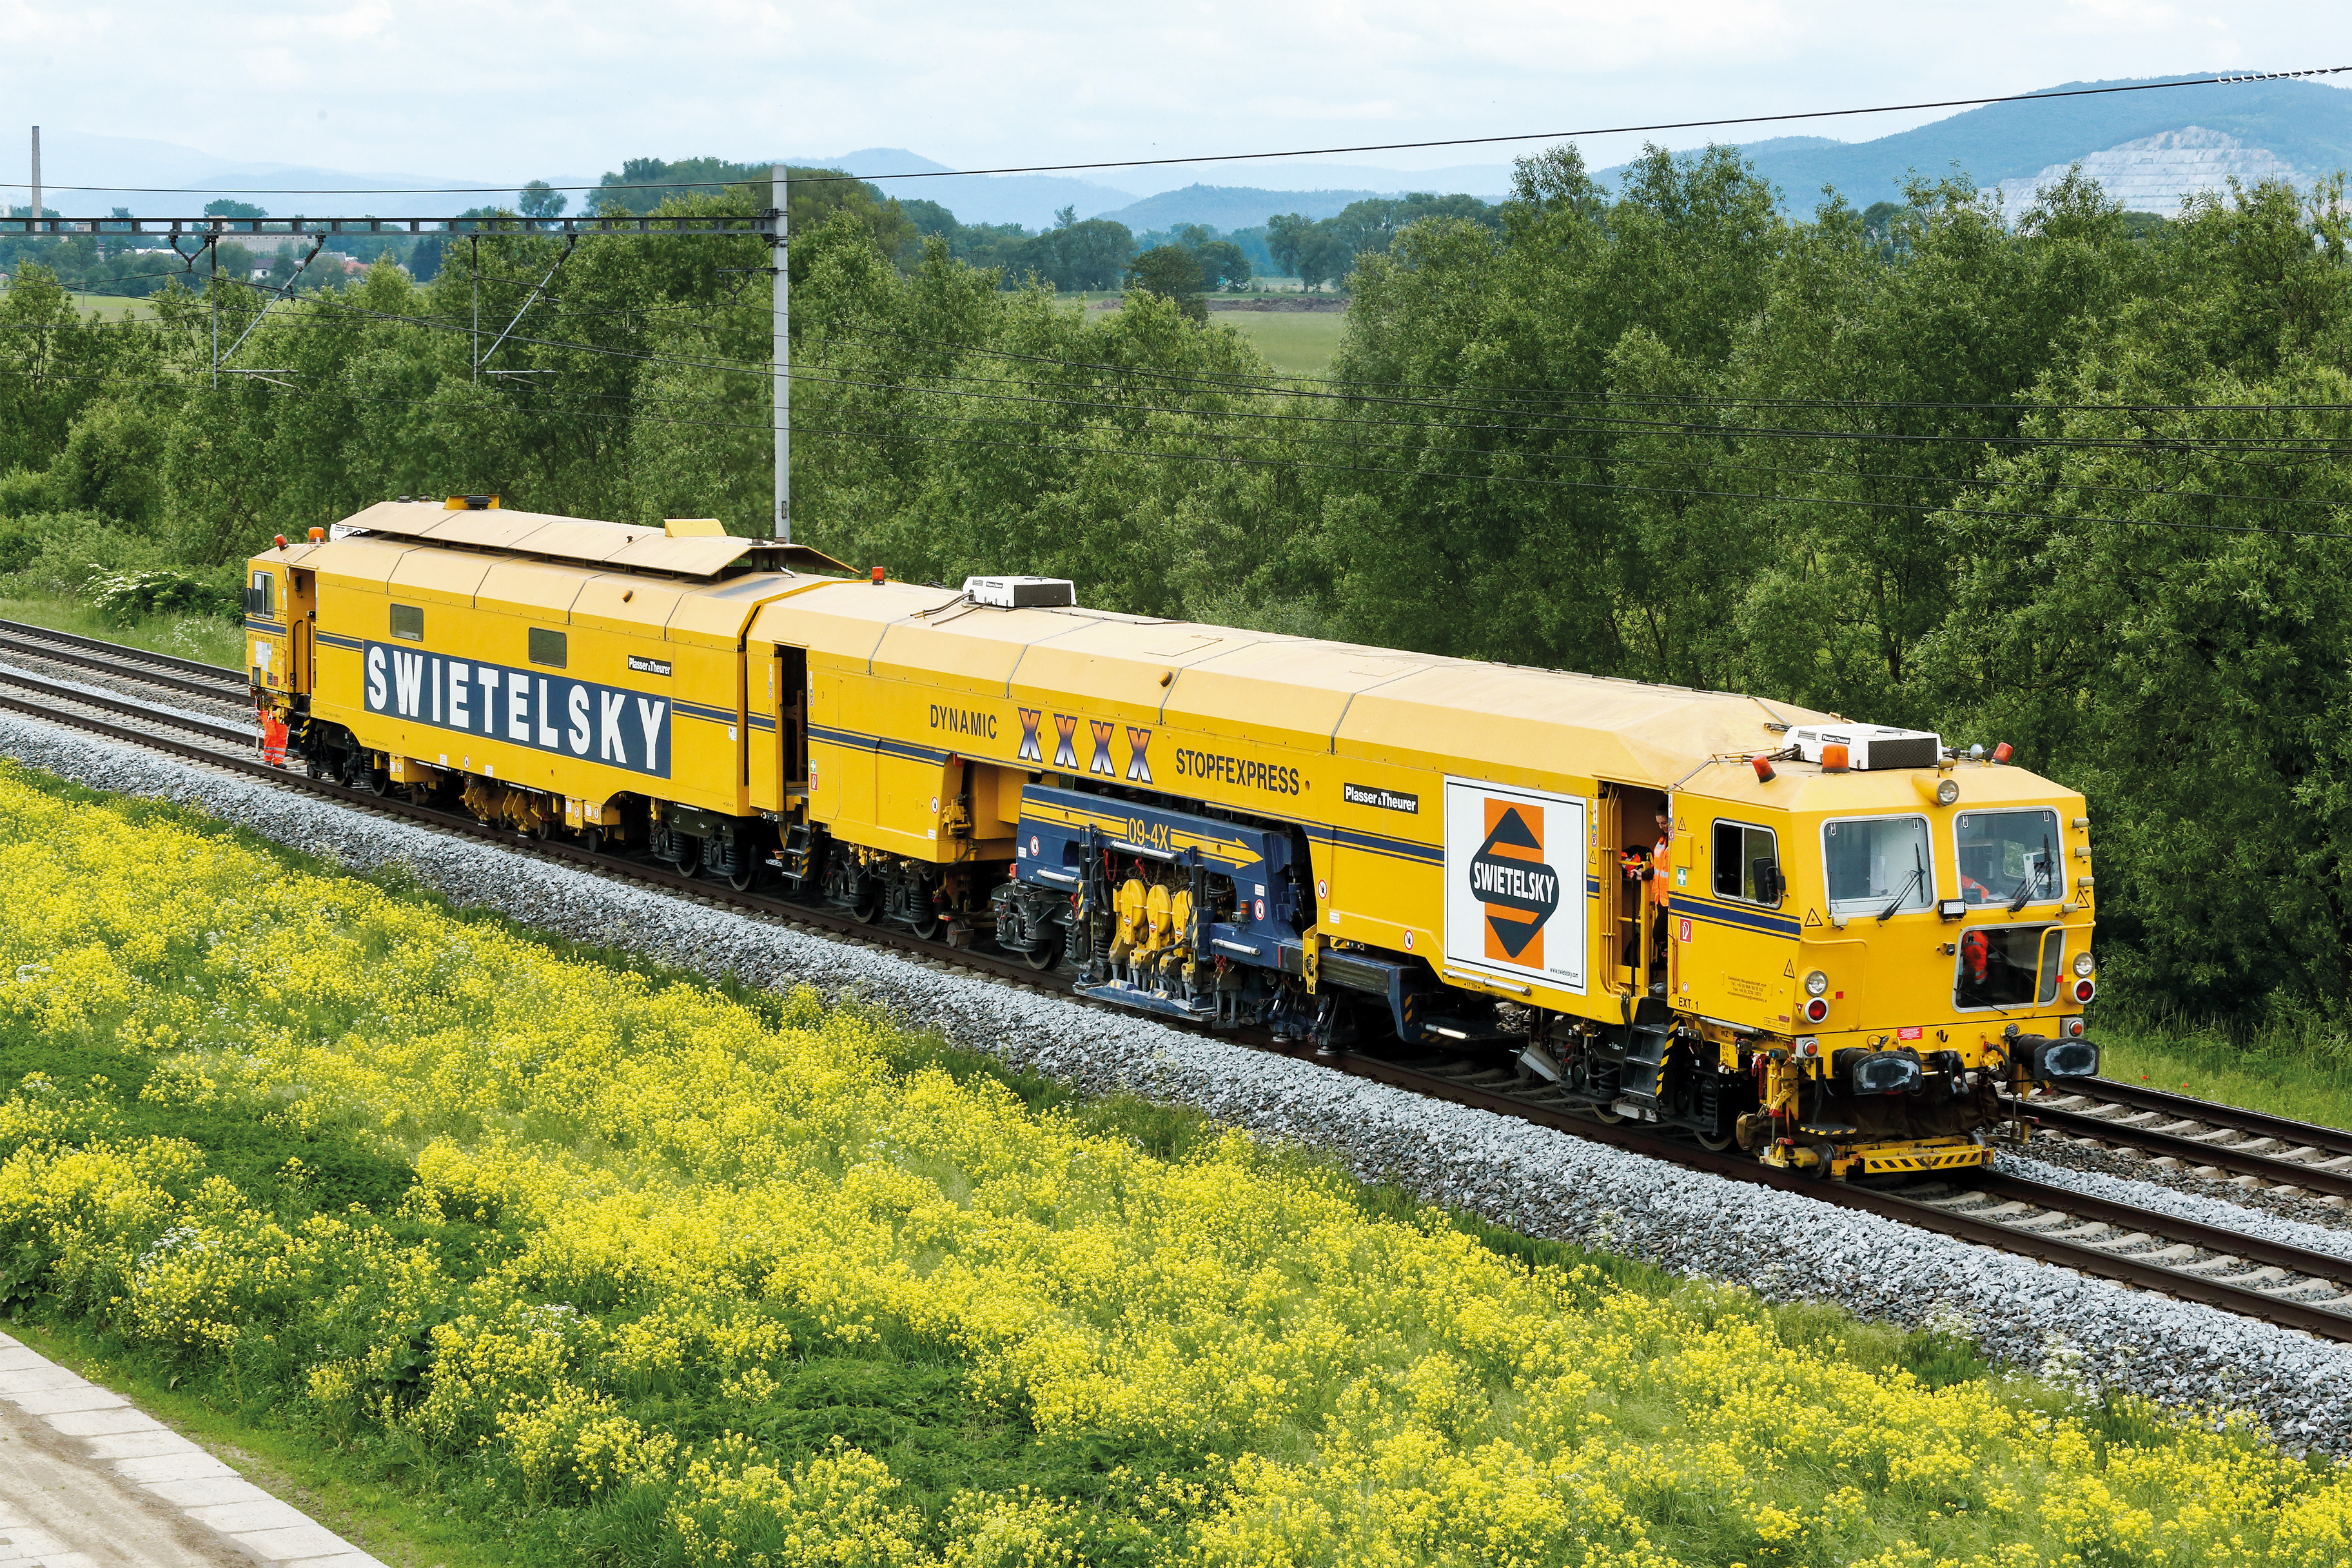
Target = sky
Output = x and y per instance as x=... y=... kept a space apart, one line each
x=500 y=93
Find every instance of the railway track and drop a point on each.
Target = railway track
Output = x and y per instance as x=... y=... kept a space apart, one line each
x=2288 y=1285
x=183 y=676
x=2208 y=1137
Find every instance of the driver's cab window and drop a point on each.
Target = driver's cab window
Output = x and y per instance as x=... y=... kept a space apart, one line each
x=2008 y=856
x=1747 y=863
x=1877 y=865
x=263 y=601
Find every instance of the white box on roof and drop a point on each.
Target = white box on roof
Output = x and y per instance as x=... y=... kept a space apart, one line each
x=1023 y=592
x=1870 y=746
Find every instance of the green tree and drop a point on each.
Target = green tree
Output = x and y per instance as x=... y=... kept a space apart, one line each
x=1222 y=264
x=1174 y=273
x=539 y=199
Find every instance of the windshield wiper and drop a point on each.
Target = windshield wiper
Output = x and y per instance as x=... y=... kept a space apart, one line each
x=2030 y=882
x=1918 y=875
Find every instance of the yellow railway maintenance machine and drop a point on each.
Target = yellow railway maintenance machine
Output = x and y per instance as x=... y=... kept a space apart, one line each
x=1865 y=936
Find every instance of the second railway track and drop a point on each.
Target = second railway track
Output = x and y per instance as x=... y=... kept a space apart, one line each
x=169 y=672
x=2292 y=1287
x=2202 y=1136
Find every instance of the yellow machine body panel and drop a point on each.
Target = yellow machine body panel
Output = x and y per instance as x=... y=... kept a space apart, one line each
x=1357 y=745
x=564 y=676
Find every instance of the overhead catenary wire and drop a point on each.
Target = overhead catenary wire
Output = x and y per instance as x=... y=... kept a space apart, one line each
x=1612 y=460
x=1783 y=118
x=1590 y=418
x=1589 y=422
x=1930 y=508
x=1279 y=384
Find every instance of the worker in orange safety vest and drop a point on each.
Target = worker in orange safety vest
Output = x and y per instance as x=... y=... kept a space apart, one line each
x=1660 y=888
x=273 y=738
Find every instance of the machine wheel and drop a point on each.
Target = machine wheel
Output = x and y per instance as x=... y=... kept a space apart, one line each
x=1828 y=1152
x=1607 y=1115
x=741 y=880
x=689 y=857
x=1714 y=1144
x=927 y=929
x=591 y=839
x=869 y=907
x=1046 y=955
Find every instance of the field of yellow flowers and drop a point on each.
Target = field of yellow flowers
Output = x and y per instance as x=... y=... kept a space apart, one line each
x=686 y=1277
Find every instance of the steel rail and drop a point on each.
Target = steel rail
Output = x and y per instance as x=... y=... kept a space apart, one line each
x=1629 y=1136
x=2194 y=1150
x=236 y=678
x=220 y=690
x=2083 y=1260
x=2236 y=1242
x=2332 y=1141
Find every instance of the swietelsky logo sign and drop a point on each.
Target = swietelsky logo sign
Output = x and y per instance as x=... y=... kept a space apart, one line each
x=1510 y=876
x=1516 y=888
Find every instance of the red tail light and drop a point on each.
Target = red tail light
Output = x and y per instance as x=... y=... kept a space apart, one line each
x=2084 y=990
x=1817 y=1009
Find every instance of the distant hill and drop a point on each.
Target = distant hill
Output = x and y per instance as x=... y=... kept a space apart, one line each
x=1231 y=206
x=2305 y=126
x=1028 y=199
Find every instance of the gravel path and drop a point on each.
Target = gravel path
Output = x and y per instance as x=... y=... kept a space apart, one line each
x=2047 y=1320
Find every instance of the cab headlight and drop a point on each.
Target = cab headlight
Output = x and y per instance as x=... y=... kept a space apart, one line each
x=1816 y=983
x=1948 y=791
x=2082 y=964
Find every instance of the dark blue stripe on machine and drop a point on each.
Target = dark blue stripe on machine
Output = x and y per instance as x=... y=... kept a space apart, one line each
x=760 y=721
x=333 y=639
x=1377 y=844
x=876 y=743
x=257 y=624
x=1732 y=915
x=710 y=715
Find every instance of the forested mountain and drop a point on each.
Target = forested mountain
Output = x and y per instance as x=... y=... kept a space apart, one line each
x=2307 y=124
x=2069 y=481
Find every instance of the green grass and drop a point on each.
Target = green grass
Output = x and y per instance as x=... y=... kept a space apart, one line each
x=2256 y=1073
x=1295 y=343
x=114 y=308
x=205 y=637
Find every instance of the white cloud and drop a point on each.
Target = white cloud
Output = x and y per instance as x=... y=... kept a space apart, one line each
x=509 y=91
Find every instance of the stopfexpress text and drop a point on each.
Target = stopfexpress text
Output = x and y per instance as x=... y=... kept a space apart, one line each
x=551 y=713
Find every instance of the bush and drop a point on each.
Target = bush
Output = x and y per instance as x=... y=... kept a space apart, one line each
x=126 y=597
x=113 y=465
x=24 y=491
x=56 y=555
